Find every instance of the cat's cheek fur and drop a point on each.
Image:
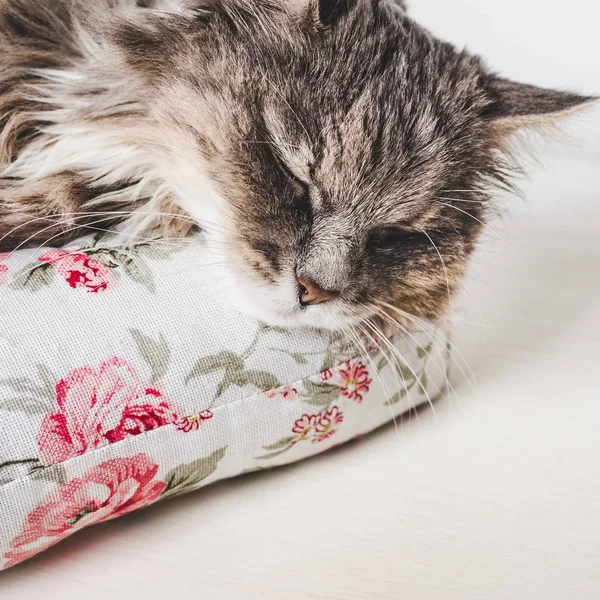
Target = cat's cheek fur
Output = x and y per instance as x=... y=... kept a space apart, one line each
x=273 y=307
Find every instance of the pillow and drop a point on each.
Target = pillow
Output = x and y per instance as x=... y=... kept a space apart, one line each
x=126 y=378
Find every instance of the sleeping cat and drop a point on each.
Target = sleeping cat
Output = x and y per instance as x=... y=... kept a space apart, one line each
x=338 y=155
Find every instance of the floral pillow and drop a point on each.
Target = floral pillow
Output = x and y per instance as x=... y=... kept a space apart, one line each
x=126 y=379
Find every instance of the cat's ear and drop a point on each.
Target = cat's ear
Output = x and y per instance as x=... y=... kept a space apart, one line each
x=517 y=105
x=321 y=12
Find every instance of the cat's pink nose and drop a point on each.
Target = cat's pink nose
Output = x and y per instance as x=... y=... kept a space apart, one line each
x=311 y=293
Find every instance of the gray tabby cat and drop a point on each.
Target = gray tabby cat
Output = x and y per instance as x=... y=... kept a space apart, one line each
x=341 y=154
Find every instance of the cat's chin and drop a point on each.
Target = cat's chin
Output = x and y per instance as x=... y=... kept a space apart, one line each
x=272 y=311
x=297 y=318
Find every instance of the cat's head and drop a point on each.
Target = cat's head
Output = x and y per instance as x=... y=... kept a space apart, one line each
x=346 y=152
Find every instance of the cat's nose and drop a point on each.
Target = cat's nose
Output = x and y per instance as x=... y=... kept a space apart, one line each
x=311 y=293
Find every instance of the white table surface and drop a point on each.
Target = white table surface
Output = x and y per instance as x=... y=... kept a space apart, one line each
x=497 y=496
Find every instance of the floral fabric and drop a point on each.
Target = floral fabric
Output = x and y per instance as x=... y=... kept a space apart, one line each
x=125 y=378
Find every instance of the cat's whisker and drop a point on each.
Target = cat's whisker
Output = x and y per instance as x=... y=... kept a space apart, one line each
x=44 y=218
x=367 y=355
x=476 y=304
x=441 y=369
x=364 y=352
x=497 y=235
x=394 y=371
x=59 y=221
x=399 y=356
x=430 y=330
x=38 y=248
x=61 y=233
x=405 y=362
x=221 y=290
x=163 y=190
x=444 y=267
x=479 y=202
x=485 y=225
x=471 y=191
x=386 y=391
x=279 y=143
x=298 y=120
x=194 y=268
x=397 y=368
x=454 y=356
x=91 y=227
x=76 y=251
x=459 y=319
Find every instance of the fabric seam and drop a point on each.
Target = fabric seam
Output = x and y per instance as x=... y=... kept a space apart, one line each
x=147 y=434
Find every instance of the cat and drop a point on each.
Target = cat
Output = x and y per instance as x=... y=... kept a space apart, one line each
x=339 y=155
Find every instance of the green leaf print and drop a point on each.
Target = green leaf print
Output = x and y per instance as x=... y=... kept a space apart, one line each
x=260 y=379
x=28 y=395
x=138 y=270
x=274 y=454
x=423 y=383
x=27 y=405
x=299 y=358
x=383 y=362
x=37 y=471
x=186 y=477
x=160 y=249
x=320 y=393
x=156 y=353
x=53 y=474
x=423 y=351
x=406 y=373
x=211 y=364
x=398 y=396
x=234 y=365
x=338 y=350
x=284 y=443
x=33 y=277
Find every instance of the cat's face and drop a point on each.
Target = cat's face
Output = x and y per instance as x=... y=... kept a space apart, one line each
x=348 y=152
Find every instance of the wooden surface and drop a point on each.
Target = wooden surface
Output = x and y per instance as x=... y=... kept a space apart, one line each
x=497 y=496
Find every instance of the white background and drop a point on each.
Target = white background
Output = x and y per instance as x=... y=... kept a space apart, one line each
x=498 y=496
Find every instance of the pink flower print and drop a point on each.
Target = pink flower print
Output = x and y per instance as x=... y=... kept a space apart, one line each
x=111 y=489
x=325 y=427
x=327 y=375
x=143 y=417
x=317 y=428
x=371 y=341
x=80 y=271
x=193 y=423
x=354 y=379
x=305 y=426
x=290 y=392
x=351 y=377
x=99 y=407
x=3 y=268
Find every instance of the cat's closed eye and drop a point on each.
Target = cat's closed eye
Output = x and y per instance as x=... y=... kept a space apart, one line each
x=390 y=238
x=295 y=188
